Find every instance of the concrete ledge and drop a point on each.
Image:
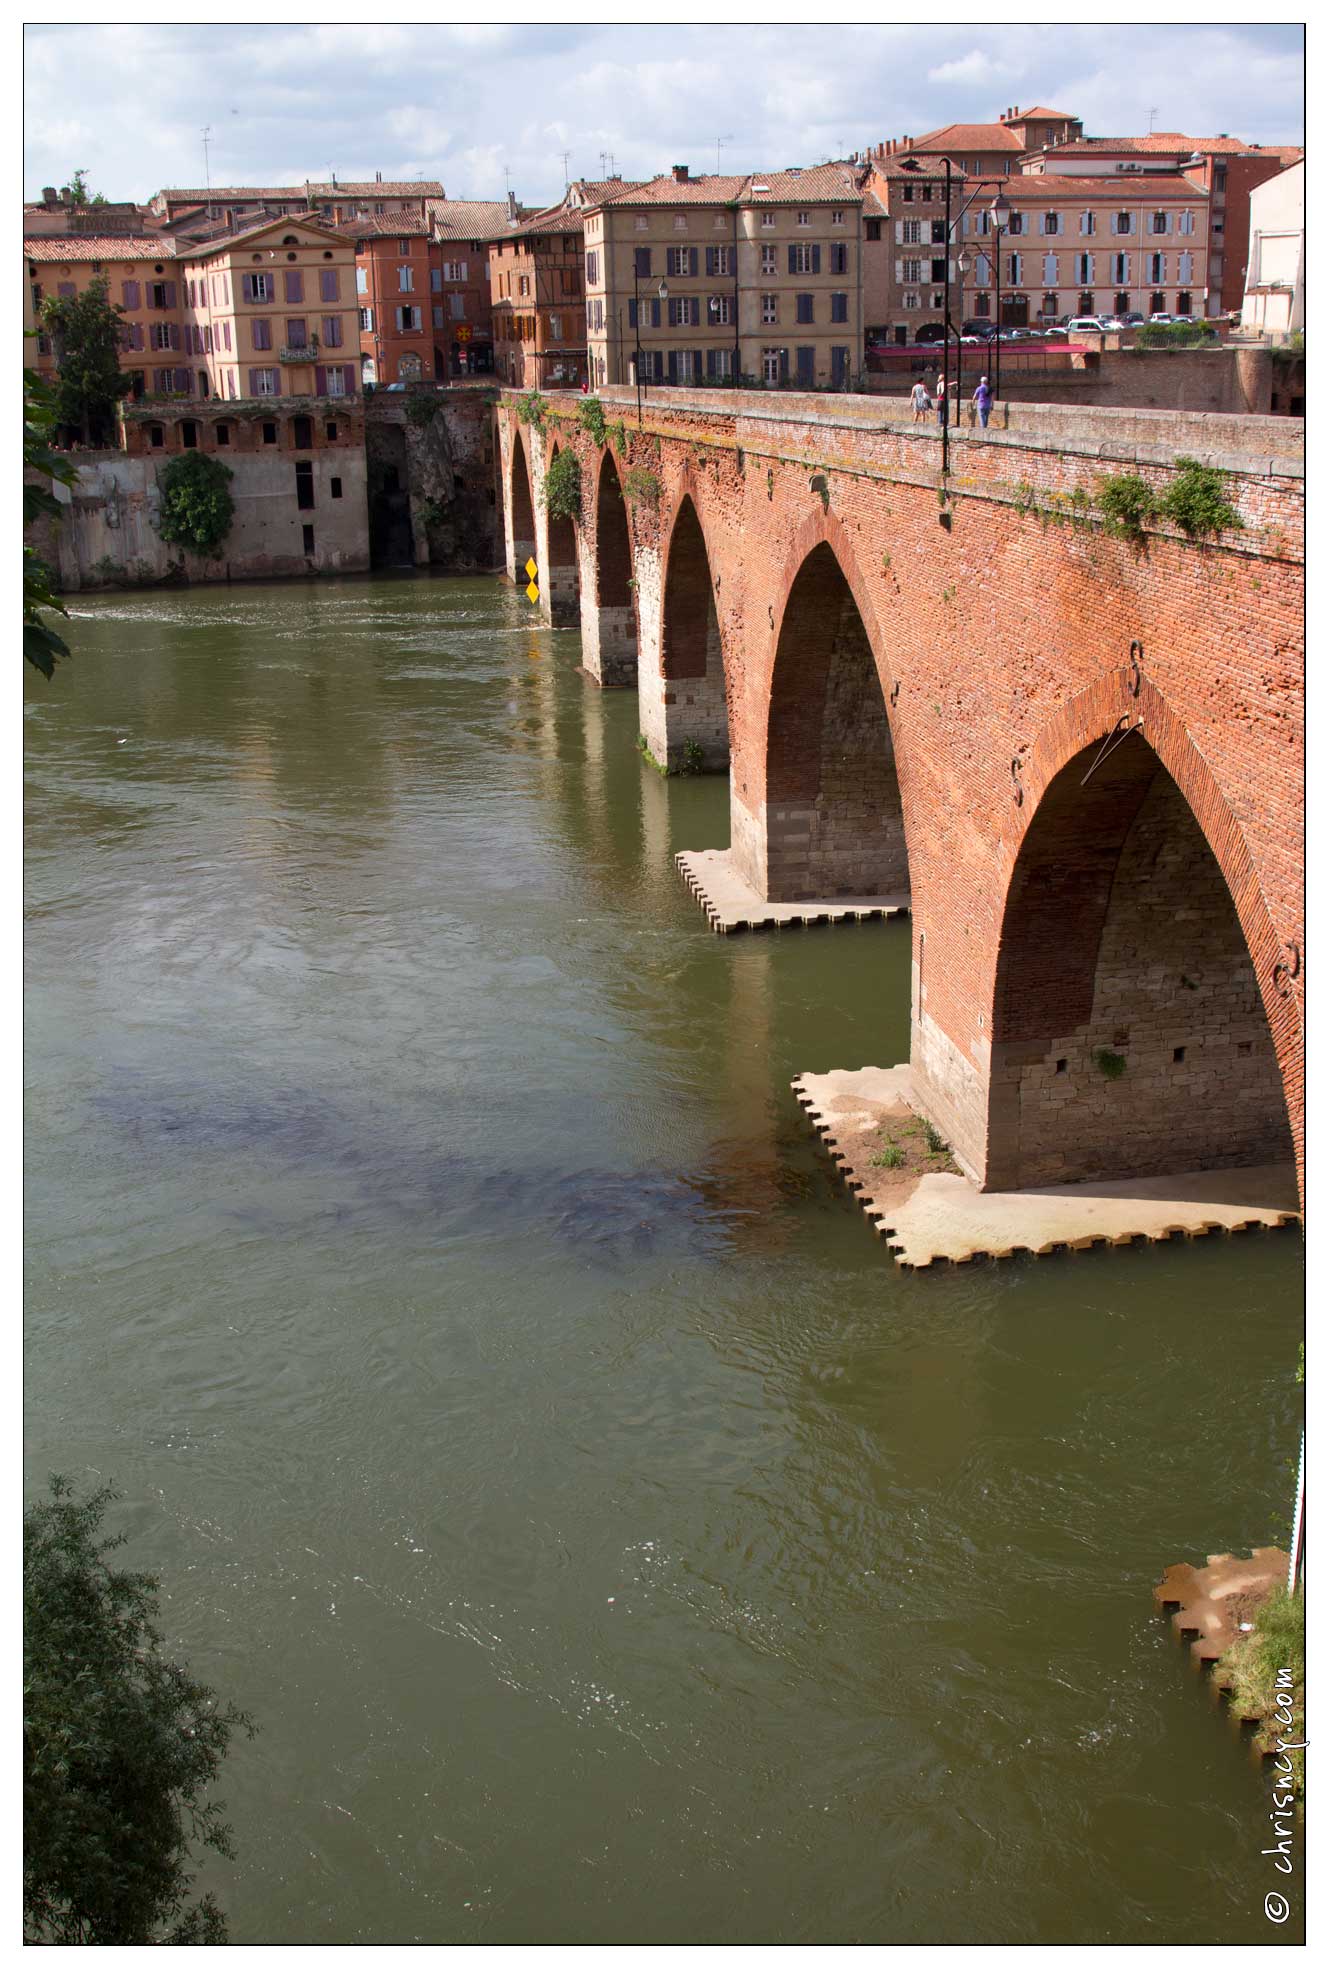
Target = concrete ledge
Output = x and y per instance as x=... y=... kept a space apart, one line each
x=731 y=903
x=1212 y=1601
x=926 y=1217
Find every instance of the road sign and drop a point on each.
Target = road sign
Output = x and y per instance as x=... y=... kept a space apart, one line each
x=532 y=570
x=532 y=592
x=464 y=333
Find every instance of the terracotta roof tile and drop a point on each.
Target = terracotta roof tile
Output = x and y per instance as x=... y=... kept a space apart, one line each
x=1038 y=113
x=76 y=247
x=969 y=136
x=468 y=218
x=203 y=249
x=388 y=225
x=819 y=183
x=666 y=190
x=1168 y=143
x=321 y=188
x=1045 y=188
x=558 y=218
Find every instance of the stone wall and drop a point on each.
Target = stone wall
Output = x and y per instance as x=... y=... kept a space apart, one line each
x=441 y=442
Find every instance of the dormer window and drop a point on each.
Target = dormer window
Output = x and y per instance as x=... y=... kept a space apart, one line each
x=289 y=239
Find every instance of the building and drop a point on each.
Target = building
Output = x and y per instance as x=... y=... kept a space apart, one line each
x=271 y=312
x=538 y=301
x=713 y=278
x=1274 y=304
x=395 y=338
x=142 y=278
x=1106 y=244
x=234 y=208
x=463 y=231
x=1227 y=169
x=986 y=150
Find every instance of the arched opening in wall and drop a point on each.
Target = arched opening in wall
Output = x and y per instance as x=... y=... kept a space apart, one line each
x=1129 y=1037
x=691 y=661
x=834 y=820
x=564 y=581
x=614 y=657
x=523 y=511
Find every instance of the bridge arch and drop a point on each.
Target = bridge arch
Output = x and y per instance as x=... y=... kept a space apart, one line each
x=1139 y=1026
x=609 y=627
x=694 y=710
x=834 y=816
x=522 y=535
x=562 y=579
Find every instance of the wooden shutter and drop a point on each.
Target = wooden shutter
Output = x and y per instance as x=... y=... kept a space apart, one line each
x=348 y=376
x=247 y=286
x=170 y=293
x=784 y=360
x=692 y=259
x=710 y=356
x=295 y=285
x=816 y=259
x=320 y=380
x=697 y=365
x=131 y=293
x=673 y=365
x=253 y=382
x=655 y=314
x=632 y=314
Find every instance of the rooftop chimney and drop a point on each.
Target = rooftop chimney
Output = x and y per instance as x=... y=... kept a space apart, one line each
x=512 y=207
x=680 y=174
x=378 y=177
x=50 y=196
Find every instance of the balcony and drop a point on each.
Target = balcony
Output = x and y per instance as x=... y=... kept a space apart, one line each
x=302 y=352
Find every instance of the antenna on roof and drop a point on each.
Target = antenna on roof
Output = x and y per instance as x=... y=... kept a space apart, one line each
x=607 y=163
x=567 y=179
x=1152 y=114
x=720 y=142
x=207 y=169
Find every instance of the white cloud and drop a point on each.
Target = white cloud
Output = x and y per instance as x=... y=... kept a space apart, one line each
x=977 y=66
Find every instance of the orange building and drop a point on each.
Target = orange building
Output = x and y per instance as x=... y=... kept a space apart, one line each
x=142 y=278
x=394 y=326
x=537 y=293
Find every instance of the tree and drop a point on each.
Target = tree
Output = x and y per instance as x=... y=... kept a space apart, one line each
x=86 y=330
x=196 y=507
x=119 y=1745
x=78 y=190
x=42 y=645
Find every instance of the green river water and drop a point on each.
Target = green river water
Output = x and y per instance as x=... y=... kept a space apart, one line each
x=613 y=1545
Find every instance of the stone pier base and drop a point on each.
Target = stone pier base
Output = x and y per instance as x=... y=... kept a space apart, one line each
x=731 y=902
x=926 y=1211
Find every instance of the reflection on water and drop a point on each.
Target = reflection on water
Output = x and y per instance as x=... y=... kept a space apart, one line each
x=613 y=1544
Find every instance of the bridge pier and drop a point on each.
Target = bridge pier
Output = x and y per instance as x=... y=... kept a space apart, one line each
x=681 y=678
x=609 y=615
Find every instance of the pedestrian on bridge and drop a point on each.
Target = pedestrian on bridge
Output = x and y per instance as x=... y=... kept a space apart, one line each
x=943 y=406
x=921 y=401
x=983 y=398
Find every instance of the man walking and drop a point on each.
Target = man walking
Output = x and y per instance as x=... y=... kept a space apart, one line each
x=943 y=407
x=983 y=398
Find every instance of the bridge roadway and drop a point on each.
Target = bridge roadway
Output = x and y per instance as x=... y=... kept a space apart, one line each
x=1077 y=757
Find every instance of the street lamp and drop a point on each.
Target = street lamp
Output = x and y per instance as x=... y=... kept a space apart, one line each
x=962 y=266
x=1001 y=218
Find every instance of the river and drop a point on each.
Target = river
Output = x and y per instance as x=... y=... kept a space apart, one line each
x=612 y=1543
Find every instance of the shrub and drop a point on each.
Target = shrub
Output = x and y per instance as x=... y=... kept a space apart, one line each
x=1126 y=503
x=1197 y=502
x=1111 y=1065
x=638 y=483
x=421 y=408
x=693 y=757
x=1174 y=334
x=937 y=1144
x=533 y=409
x=562 y=487
x=591 y=416
x=196 y=504
x=891 y=1157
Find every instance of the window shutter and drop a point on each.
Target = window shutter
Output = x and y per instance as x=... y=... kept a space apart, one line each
x=655 y=314
x=784 y=365
x=170 y=293
x=710 y=260
x=692 y=259
x=710 y=362
x=131 y=294
x=247 y=286
x=697 y=361
x=793 y=251
x=632 y=314
x=253 y=382
x=673 y=365
x=816 y=259
x=320 y=380
x=183 y=381
x=899 y=270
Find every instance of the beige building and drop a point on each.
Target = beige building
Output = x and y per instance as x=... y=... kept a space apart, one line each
x=713 y=278
x=1275 y=300
x=272 y=312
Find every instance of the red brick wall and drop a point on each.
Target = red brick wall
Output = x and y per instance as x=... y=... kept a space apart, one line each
x=1008 y=621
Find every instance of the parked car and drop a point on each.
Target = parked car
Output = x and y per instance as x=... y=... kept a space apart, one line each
x=1160 y=317
x=931 y=331
x=1107 y=321
x=1080 y=324
x=1055 y=335
x=985 y=330
x=1133 y=320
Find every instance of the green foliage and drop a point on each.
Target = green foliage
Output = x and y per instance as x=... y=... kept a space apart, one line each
x=619 y=433
x=432 y=511
x=85 y=331
x=422 y=406
x=591 y=416
x=937 y=1143
x=891 y=1157
x=1251 y=1670
x=533 y=409
x=1174 y=335
x=1126 y=503
x=1111 y=1065
x=1197 y=501
x=693 y=757
x=821 y=485
x=78 y=190
x=562 y=487
x=196 y=505
x=638 y=483
x=649 y=756
x=1293 y=350
x=120 y=1745
x=42 y=645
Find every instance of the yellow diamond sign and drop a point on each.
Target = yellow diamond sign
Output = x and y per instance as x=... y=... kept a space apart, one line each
x=532 y=592
x=532 y=570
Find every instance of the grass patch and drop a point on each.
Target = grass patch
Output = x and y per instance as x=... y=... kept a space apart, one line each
x=1266 y=1673
x=891 y=1157
x=937 y=1144
x=1197 y=501
x=1111 y=1065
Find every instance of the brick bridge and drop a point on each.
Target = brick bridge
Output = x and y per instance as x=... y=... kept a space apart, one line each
x=1079 y=756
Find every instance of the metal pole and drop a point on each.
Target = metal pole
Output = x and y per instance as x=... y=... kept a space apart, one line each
x=636 y=290
x=1295 y=1560
x=946 y=339
x=996 y=367
x=738 y=356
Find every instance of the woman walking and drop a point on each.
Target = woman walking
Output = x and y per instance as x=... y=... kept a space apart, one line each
x=983 y=399
x=921 y=401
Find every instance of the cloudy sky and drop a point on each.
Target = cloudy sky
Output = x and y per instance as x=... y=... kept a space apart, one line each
x=466 y=104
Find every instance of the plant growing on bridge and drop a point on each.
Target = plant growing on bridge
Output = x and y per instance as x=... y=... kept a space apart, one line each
x=638 y=483
x=619 y=433
x=120 y=1745
x=196 y=504
x=591 y=417
x=1197 y=501
x=421 y=408
x=891 y=1157
x=562 y=487
x=533 y=409
x=693 y=757
x=1111 y=1065
x=1127 y=504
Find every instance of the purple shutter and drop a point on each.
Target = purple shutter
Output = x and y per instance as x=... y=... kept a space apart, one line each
x=170 y=293
x=253 y=382
x=320 y=380
x=673 y=365
x=793 y=259
x=348 y=374
x=327 y=284
x=131 y=294
x=226 y=335
x=816 y=259
x=710 y=260
x=295 y=284
x=697 y=365
x=247 y=286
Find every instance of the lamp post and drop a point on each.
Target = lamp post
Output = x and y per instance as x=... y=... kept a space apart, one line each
x=636 y=309
x=663 y=291
x=1001 y=213
x=962 y=266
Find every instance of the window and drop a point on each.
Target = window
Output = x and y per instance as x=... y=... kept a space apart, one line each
x=1015 y=224
x=983 y=304
x=908 y=194
x=297 y=334
x=330 y=430
x=1049 y=307
x=1088 y=224
x=719 y=310
x=336 y=383
x=403 y=245
x=266 y=383
x=768 y=219
x=1084 y=266
x=1121 y=267
x=938 y=230
x=839 y=257
x=1051 y=223
x=592 y=273
x=770 y=306
x=457 y=307
x=161 y=293
x=681 y=363
x=159 y=334
x=939 y=269
x=1186 y=223
x=839 y=307
x=872 y=228
x=361 y=281
x=405 y=280
x=724 y=363
x=802 y=218
x=189 y=434
x=641 y=223
x=1122 y=222
x=803 y=259
x=1086 y=303
x=719 y=259
x=837 y=218
x=524 y=282
x=303 y=428
x=454 y=270
x=768 y=259
x=257 y=286
x=156 y=436
x=304 y=485
x=805 y=366
x=911 y=231
x=680 y=222
x=367 y=320
x=685 y=311
x=335 y=488
x=912 y=270
x=1121 y=304
x=329 y=287
x=1183 y=304
x=803 y=307
x=1157 y=303
x=307 y=534
x=331 y=327
x=1049 y=267
x=911 y=300
x=1159 y=222
x=1157 y=267
x=555 y=324
x=678 y=260
x=408 y=319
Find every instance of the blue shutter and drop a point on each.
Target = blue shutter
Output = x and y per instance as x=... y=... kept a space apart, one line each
x=710 y=354
x=632 y=314
x=816 y=259
x=655 y=314
x=696 y=365
x=692 y=259
x=792 y=266
x=642 y=262
x=710 y=260
x=673 y=365
x=784 y=365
